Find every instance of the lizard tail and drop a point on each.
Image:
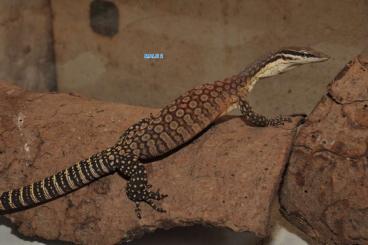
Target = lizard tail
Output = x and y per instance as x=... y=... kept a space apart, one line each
x=59 y=184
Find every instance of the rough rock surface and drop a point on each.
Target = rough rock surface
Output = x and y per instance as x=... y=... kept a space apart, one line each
x=325 y=190
x=227 y=177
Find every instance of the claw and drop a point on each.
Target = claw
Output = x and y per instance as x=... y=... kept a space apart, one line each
x=161 y=196
x=154 y=206
x=138 y=210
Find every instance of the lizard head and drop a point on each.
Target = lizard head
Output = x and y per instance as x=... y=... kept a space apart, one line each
x=288 y=58
x=299 y=56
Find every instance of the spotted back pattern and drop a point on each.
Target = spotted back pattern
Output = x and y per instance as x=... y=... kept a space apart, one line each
x=181 y=120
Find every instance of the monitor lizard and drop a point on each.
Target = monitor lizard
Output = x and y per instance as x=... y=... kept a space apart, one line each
x=158 y=134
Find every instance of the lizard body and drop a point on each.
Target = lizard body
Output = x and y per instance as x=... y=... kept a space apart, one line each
x=174 y=125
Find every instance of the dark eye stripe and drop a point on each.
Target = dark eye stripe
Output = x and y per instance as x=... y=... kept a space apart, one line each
x=292 y=52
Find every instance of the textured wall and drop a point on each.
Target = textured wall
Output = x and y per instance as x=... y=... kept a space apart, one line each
x=204 y=41
x=26 y=48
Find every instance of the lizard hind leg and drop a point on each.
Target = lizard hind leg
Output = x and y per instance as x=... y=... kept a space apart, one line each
x=138 y=189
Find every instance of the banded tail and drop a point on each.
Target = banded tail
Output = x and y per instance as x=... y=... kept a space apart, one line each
x=65 y=181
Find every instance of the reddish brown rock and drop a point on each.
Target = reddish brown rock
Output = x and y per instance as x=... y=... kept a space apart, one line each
x=325 y=189
x=226 y=178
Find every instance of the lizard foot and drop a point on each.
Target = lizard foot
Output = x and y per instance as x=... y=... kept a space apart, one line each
x=139 y=195
x=138 y=189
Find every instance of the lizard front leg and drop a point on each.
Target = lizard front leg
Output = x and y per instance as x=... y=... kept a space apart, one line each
x=138 y=189
x=258 y=120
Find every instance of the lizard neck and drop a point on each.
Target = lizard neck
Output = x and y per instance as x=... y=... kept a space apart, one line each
x=268 y=66
x=245 y=84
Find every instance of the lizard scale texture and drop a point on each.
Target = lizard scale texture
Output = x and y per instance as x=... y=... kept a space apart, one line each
x=157 y=135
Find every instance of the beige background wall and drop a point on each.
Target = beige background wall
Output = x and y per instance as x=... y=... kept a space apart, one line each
x=26 y=47
x=204 y=41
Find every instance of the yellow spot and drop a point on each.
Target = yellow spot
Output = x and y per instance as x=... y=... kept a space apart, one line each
x=146 y=137
x=197 y=111
x=158 y=129
x=193 y=104
x=198 y=91
x=133 y=145
x=172 y=108
x=179 y=113
x=168 y=118
x=157 y=120
x=140 y=132
x=204 y=97
x=143 y=125
x=186 y=99
x=173 y=125
x=188 y=119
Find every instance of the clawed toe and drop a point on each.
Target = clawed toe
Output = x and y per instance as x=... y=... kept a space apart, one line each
x=138 y=210
x=155 y=207
x=156 y=195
